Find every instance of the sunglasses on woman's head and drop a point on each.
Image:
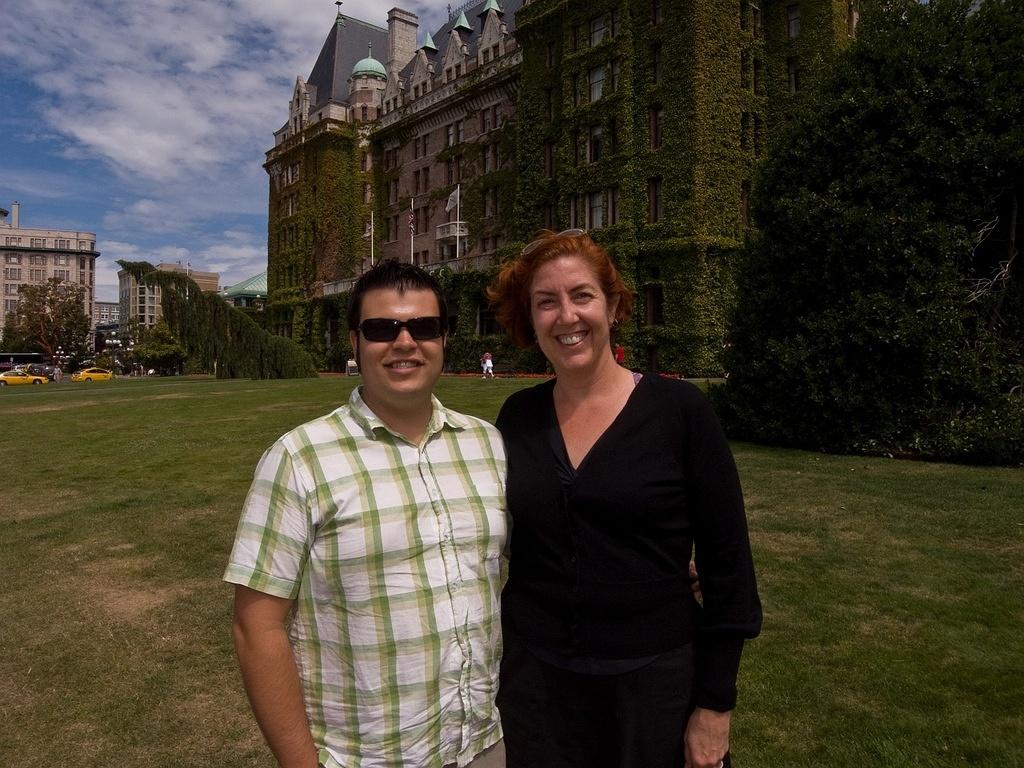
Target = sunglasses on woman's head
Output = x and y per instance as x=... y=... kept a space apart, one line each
x=532 y=246
x=387 y=329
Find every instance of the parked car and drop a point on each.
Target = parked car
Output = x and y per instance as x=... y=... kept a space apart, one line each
x=92 y=374
x=20 y=377
x=38 y=369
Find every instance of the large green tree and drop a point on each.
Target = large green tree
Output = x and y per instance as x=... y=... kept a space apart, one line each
x=49 y=317
x=881 y=307
x=160 y=350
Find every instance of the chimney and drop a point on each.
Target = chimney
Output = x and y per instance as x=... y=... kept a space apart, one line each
x=15 y=213
x=402 y=27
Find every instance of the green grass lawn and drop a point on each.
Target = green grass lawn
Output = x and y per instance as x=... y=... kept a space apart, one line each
x=893 y=591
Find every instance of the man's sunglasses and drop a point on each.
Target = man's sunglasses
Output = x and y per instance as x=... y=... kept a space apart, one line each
x=387 y=329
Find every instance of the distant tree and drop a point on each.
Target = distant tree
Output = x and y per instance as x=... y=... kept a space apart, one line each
x=160 y=350
x=48 y=317
x=881 y=307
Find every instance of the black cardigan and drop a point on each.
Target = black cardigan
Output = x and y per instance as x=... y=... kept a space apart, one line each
x=600 y=570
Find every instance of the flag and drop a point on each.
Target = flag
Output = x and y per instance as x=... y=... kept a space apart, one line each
x=453 y=199
x=412 y=216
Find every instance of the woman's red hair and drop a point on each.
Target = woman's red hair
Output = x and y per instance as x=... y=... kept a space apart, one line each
x=509 y=293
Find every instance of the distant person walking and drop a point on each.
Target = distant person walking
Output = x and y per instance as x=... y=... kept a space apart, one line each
x=57 y=373
x=487 y=363
x=620 y=354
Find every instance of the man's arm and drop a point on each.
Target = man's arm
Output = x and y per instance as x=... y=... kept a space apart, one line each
x=270 y=677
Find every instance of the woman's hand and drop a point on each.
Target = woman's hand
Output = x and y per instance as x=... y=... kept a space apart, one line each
x=707 y=738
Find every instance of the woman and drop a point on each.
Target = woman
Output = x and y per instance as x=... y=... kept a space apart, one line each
x=614 y=477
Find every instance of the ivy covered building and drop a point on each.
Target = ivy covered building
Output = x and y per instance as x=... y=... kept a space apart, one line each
x=639 y=120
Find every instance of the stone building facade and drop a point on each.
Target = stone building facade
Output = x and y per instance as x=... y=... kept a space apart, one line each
x=31 y=256
x=641 y=121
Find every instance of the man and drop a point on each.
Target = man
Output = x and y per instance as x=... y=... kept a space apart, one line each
x=368 y=560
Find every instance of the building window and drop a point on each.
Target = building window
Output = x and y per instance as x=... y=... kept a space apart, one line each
x=549 y=160
x=363 y=113
x=657 y=126
x=485 y=56
x=595 y=210
x=654 y=202
x=793 y=69
x=575 y=90
x=37 y=242
x=549 y=104
x=595 y=81
x=744 y=70
x=656 y=65
x=12 y=258
x=426 y=179
x=454 y=169
x=12 y=273
x=549 y=55
x=793 y=20
x=594 y=144
x=758 y=80
x=487 y=155
x=745 y=203
x=575 y=219
x=757 y=136
x=615 y=74
x=613 y=135
x=852 y=17
x=485 y=120
x=548 y=217
x=490 y=202
x=655 y=11
x=613 y=205
x=744 y=12
x=613 y=22
x=576 y=37
x=744 y=130
x=757 y=18
x=597 y=30
x=62 y=244
x=459 y=134
x=654 y=302
x=367 y=193
x=449 y=135
x=415 y=182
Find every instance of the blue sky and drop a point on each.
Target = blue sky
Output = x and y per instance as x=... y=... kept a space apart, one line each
x=146 y=121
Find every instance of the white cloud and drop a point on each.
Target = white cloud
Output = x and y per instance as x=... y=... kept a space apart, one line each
x=178 y=102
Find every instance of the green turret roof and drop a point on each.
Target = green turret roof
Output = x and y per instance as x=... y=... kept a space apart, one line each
x=492 y=5
x=369 y=67
x=462 y=24
x=429 y=43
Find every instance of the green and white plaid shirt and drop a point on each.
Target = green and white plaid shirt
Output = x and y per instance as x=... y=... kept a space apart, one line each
x=393 y=554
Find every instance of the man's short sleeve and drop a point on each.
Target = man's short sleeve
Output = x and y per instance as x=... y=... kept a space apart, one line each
x=273 y=539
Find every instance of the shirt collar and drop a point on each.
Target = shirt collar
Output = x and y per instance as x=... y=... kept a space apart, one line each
x=440 y=416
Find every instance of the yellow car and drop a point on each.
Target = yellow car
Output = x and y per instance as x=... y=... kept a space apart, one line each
x=20 y=377
x=92 y=374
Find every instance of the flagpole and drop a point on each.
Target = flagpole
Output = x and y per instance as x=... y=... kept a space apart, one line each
x=458 y=216
x=371 y=238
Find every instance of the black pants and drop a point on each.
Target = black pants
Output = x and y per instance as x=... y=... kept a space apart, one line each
x=555 y=718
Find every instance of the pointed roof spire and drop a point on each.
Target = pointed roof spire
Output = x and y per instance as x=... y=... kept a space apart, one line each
x=492 y=5
x=339 y=19
x=428 y=44
x=462 y=23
